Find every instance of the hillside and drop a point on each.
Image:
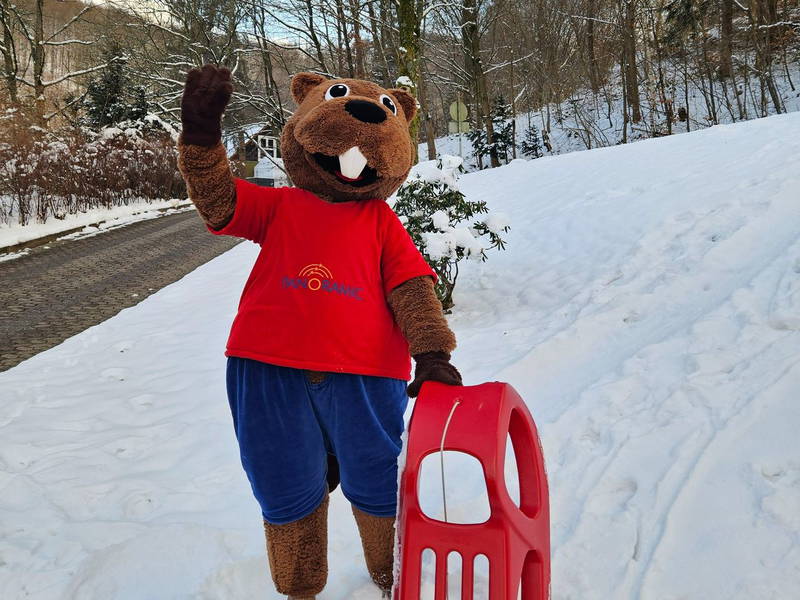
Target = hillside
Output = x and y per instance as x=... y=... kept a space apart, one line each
x=585 y=121
x=647 y=308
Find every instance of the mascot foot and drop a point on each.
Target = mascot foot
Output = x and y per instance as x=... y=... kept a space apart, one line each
x=298 y=554
x=377 y=538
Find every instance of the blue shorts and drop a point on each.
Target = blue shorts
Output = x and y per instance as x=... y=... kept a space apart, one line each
x=286 y=426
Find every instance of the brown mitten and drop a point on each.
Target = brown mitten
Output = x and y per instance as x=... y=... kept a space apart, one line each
x=433 y=366
x=205 y=96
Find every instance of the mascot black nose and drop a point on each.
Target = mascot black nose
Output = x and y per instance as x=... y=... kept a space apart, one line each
x=366 y=111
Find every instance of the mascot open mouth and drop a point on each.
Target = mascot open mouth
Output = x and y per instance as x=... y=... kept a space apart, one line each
x=349 y=167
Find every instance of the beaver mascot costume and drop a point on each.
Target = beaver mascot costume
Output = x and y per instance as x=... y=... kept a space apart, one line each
x=337 y=301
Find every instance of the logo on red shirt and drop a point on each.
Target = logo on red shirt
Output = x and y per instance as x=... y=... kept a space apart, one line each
x=317 y=276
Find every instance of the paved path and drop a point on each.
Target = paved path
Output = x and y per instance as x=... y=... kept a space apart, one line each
x=52 y=294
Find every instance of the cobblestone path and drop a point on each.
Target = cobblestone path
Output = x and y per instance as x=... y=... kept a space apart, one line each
x=52 y=294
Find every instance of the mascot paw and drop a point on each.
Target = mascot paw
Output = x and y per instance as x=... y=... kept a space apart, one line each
x=433 y=366
x=205 y=96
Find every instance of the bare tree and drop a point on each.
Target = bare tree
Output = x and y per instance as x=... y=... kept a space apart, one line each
x=29 y=21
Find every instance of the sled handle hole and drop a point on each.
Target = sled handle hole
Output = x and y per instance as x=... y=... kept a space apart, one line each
x=427 y=586
x=481 y=577
x=466 y=492
x=527 y=455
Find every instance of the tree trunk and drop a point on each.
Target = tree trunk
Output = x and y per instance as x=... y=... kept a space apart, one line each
x=37 y=57
x=763 y=14
x=312 y=31
x=430 y=137
x=9 y=53
x=666 y=99
x=631 y=71
x=513 y=111
x=358 y=43
x=409 y=14
x=726 y=39
x=472 y=58
x=591 y=55
x=710 y=96
x=380 y=48
x=686 y=92
x=625 y=115
x=344 y=40
x=272 y=88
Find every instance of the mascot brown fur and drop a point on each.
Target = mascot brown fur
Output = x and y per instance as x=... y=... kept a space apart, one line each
x=340 y=125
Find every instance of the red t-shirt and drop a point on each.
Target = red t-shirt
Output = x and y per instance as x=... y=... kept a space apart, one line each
x=316 y=297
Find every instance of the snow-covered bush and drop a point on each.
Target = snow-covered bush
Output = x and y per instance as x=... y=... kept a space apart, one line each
x=53 y=173
x=444 y=224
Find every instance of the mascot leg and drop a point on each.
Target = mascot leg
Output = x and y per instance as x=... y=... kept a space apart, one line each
x=363 y=417
x=284 y=455
x=377 y=538
x=298 y=554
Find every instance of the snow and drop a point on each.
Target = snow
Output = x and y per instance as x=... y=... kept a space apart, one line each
x=646 y=308
x=12 y=255
x=443 y=171
x=440 y=220
x=92 y=221
x=443 y=244
x=497 y=222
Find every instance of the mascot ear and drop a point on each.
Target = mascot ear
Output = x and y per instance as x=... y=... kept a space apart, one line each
x=302 y=83
x=407 y=101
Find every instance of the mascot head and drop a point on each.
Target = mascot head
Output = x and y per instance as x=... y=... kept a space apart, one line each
x=348 y=139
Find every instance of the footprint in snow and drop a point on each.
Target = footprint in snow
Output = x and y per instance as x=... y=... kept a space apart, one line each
x=122 y=346
x=114 y=373
x=784 y=494
x=139 y=504
x=142 y=402
x=772 y=472
x=612 y=495
x=632 y=317
x=784 y=322
x=244 y=578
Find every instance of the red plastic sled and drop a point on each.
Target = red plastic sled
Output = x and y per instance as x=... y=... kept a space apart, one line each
x=515 y=540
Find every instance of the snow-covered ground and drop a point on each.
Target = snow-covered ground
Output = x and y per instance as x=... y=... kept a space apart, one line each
x=647 y=308
x=92 y=221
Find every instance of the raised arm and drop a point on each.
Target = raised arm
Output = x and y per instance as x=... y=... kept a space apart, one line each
x=419 y=315
x=202 y=159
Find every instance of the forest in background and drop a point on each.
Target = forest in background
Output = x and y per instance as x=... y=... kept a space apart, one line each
x=598 y=72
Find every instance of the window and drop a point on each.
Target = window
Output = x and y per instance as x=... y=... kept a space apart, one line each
x=267 y=146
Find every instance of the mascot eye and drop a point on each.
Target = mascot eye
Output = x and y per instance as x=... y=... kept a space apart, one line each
x=337 y=91
x=388 y=103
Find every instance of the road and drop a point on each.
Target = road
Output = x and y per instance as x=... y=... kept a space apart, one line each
x=57 y=291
